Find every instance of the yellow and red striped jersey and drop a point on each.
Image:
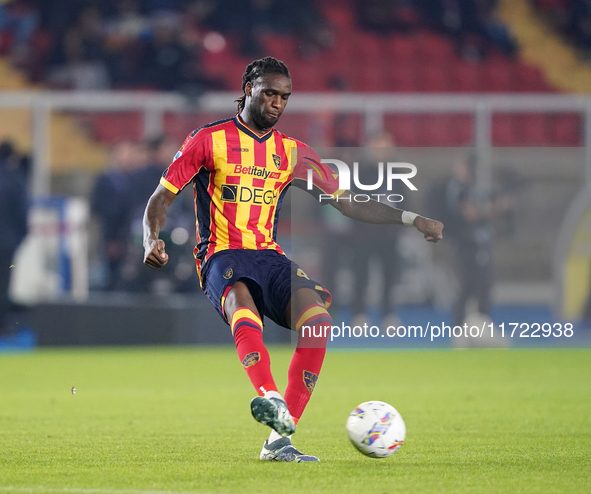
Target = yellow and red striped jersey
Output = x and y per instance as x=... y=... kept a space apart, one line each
x=240 y=180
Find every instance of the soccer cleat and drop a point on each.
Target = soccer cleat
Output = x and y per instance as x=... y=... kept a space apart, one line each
x=283 y=450
x=274 y=413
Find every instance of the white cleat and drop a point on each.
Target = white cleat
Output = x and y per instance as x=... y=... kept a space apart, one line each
x=283 y=450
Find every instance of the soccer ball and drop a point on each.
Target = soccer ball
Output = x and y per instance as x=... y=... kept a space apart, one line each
x=376 y=429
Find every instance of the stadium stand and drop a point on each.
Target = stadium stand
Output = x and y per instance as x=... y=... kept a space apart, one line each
x=329 y=45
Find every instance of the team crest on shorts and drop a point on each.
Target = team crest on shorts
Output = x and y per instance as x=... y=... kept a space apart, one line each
x=310 y=380
x=277 y=161
x=228 y=274
x=251 y=359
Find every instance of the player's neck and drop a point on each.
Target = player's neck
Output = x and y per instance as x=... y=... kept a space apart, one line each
x=251 y=124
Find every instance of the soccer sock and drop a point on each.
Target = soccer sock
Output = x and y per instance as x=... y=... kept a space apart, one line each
x=307 y=359
x=247 y=329
x=275 y=435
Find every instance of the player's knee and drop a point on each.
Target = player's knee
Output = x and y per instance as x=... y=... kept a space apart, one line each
x=239 y=296
x=314 y=316
x=301 y=304
x=244 y=321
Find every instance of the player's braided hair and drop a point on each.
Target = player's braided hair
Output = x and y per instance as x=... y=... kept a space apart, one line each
x=257 y=68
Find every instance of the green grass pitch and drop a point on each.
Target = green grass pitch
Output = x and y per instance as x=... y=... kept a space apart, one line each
x=177 y=420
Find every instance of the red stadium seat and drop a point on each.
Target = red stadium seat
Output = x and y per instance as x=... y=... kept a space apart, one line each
x=530 y=79
x=307 y=76
x=504 y=130
x=405 y=129
x=371 y=79
x=400 y=78
x=368 y=46
x=499 y=75
x=113 y=127
x=282 y=47
x=224 y=65
x=534 y=129
x=436 y=130
x=402 y=49
x=445 y=130
x=463 y=130
x=552 y=4
x=434 y=47
x=467 y=77
x=338 y=16
x=178 y=126
x=433 y=78
x=566 y=130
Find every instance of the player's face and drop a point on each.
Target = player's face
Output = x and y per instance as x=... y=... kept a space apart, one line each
x=268 y=96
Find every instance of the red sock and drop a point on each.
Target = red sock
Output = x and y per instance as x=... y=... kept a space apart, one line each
x=247 y=329
x=308 y=357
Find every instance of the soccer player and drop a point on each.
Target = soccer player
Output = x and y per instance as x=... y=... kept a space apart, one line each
x=240 y=169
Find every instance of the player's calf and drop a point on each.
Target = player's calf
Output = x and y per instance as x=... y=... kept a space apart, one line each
x=308 y=357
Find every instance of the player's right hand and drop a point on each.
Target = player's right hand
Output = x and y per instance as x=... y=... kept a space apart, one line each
x=154 y=254
x=432 y=230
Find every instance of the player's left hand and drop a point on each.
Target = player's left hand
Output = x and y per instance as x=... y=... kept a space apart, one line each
x=431 y=229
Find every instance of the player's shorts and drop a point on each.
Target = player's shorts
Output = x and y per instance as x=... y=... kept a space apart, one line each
x=271 y=278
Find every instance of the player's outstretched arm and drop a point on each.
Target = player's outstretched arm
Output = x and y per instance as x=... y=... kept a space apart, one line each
x=155 y=255
x=376 y=212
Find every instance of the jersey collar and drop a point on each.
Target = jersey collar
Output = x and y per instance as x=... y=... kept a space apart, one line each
x=240 y=124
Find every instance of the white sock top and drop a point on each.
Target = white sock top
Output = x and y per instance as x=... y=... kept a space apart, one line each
x=273 y=394
x=275 y=435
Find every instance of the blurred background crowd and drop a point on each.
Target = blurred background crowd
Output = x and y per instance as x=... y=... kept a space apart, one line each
x=195 y=47
x=154 y=44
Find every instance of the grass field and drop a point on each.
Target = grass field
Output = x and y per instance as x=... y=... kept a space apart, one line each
x=177 y=420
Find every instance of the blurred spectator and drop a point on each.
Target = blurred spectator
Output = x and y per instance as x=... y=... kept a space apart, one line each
x=160 y=152
x=94 y=44
x=472 y=222
x=83 y=64
x=338 y=229
x=180 y=275
x=111 y=203
x=572 y=18
x=19 y=19
x=252 y=19
x=472 y=24
x=386 y=16
x=507 y=185
x=372 y=244
x=13 y=220
x=118 y=201
x=470 y=231
x=125 y=31
x=157 y=44
x=168 y=61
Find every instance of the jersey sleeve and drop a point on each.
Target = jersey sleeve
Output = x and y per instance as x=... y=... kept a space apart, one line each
x=193 y=155
x=309 y=167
